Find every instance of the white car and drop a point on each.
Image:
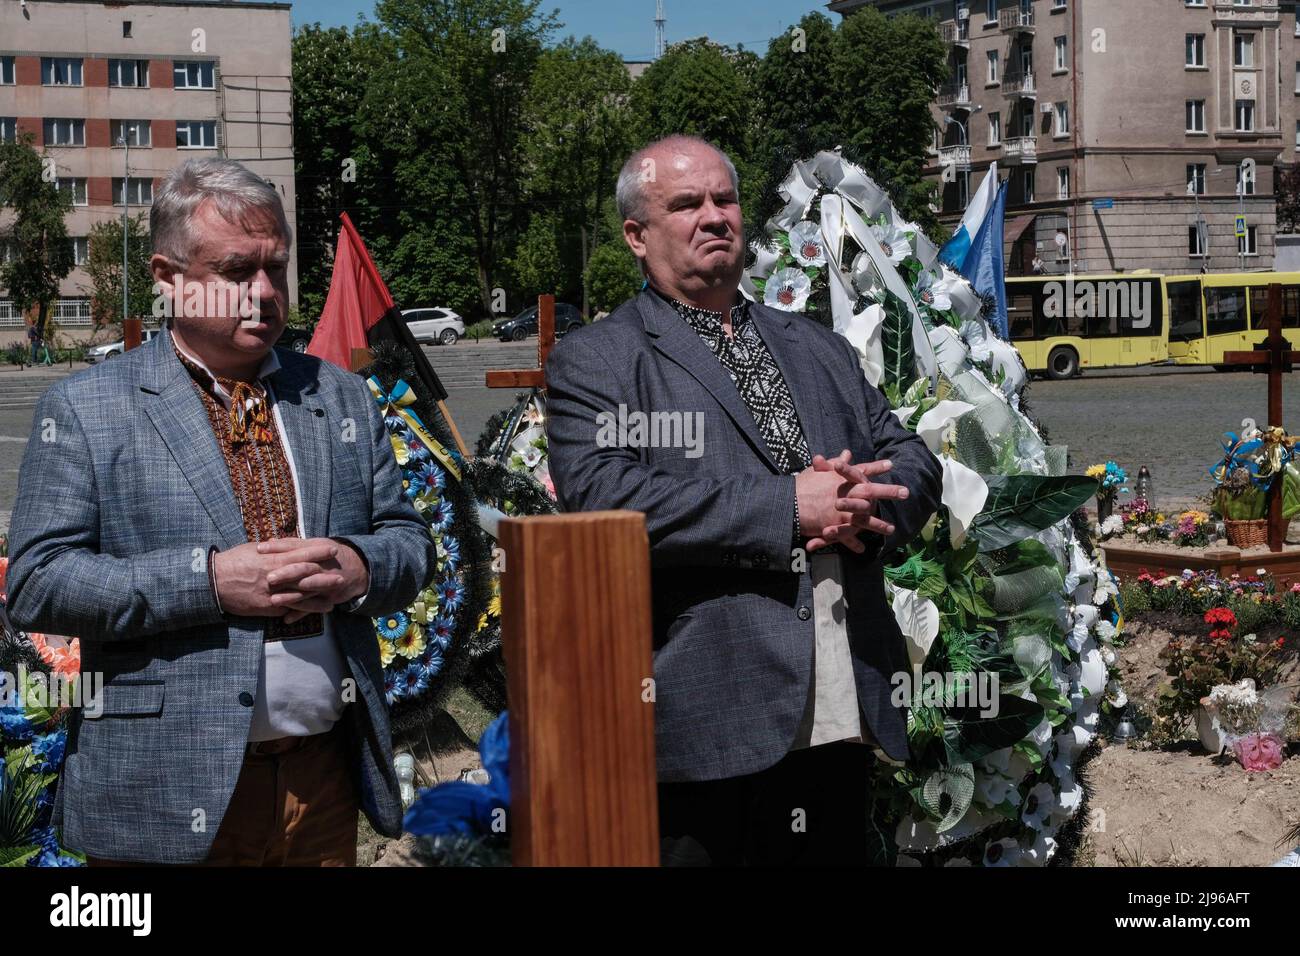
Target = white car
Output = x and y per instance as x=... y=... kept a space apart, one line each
x=434 y=325
x=116 y=348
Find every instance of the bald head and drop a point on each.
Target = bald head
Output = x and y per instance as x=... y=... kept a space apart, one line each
x=679 y=199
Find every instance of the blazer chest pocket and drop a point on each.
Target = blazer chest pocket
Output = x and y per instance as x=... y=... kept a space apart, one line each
x=128 y=699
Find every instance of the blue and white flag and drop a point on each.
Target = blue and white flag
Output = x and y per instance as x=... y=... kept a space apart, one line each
x=975 y=250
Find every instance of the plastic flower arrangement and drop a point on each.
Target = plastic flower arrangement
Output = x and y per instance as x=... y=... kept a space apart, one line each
x=997 y=583
x=1192 y=529
x=1112 y=477
x=1196 y=666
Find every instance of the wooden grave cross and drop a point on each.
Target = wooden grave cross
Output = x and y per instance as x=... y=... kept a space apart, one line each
x=576 y=638
x=1273 y=356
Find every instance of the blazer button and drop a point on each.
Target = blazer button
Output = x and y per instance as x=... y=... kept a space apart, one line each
x=246 y=698
x=804 y=613
x=760 y=560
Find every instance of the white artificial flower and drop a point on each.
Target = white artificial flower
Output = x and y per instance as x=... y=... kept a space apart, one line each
x=1142 y=528
x=1004 y=852
x=1038 y=806
x=918 y=619
x=1068 y=800
x=531 y=456
x=1039 y=852
x=992 y=789
x=1119 y=700
x=935 y=291
x=806 y=244
x=1092 y=677
x=788 y=290
x=1113 y=525
x=1105 y=631
x=1108 y=655
x=894 y=241
x=1042 y=736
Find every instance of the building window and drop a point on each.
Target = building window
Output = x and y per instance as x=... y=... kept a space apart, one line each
x=139 y=191
x=1249 y=188
x=1028 y=185
x=193 y=74
x=1062 y=119
x=61 y=70
x=991 y=10
x=1245 y=116
x=126 y=29
x=70 y=312
x=995 y=129
x=1063 y=182
x=1243 y=49
x=1195 y=49
x=1059 y=62
x=9 y=129
x=1195 y=242
x=1196 y=116
x=75 y=186
x=993 y=66
x=1196 y=178
x=80 y=250
x=6 y=71
x=135 y=132
x=65 y=132
x=196 y=134
x=1248 y=245
x=128 y=73
x=1058 y=4
x=1297 y=133
x=1193 y=3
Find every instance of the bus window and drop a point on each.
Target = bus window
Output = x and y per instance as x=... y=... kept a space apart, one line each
x=1020 y=315
x=1290 y=307
x=1185 y=311
x=1225 y=310
x=1145 y=312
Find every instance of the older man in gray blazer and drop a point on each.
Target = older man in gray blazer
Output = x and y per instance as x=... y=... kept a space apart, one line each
x=218 y=521
x=772 y=674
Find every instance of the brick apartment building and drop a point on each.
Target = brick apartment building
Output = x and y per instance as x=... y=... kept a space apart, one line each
x=174 y=79
x=1125 y=102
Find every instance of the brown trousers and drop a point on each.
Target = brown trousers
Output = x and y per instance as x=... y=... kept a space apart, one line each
x=294 y=805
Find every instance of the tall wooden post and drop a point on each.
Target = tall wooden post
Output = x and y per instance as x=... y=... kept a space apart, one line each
x=575 y=602
x=131 y=334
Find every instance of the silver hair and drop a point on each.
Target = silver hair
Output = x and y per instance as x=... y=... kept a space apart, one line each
x=233 y=188
x=629 y=192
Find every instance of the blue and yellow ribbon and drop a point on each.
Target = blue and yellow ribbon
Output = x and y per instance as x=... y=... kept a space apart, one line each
x=398 y=402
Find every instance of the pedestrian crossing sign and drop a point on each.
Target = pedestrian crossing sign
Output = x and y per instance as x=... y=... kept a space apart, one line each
x=1241 y=227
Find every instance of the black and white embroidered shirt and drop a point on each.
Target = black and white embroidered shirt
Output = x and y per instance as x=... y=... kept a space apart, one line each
x=756 y=376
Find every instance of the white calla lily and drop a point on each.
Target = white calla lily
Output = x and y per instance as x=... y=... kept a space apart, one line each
x=964 y=495
x=933 y=423
x=1093 y=676
x=918 y=619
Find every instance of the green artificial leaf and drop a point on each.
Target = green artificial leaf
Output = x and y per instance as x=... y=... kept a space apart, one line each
x=968 y=736
x=1027 y=750
x=896 y=341
x=15 y=856
x=1026 y=555
x=1020 y=505
x=920 y=574
x=916 y=392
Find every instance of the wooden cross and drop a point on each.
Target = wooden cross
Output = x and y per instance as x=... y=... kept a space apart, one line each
x=531 y=377
x=1274 y=356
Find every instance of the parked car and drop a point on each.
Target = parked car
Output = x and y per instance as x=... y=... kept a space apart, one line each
x=296 y=339
x=439 y=325
x=567 y=318
x=115 y=348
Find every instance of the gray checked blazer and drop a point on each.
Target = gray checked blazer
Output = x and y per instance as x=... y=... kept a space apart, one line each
x=733 y=628
x=114 y=519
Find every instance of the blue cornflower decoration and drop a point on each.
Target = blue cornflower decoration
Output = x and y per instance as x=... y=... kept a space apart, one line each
x=430 y=662
x=450 y=594
x=414 y=680
x=392 y=687
x=392 y=626
x=48 y=749
x=451 y=548
x=441 y=630
x=430 y=477
x=15 y=725
x=416 y=451
x=440 y=516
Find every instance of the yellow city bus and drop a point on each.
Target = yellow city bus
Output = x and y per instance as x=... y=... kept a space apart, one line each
x=1217 y=313
x=1064 y=324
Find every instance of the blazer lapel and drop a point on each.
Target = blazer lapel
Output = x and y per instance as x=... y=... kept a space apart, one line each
x=679 y=342
x=181 y=422
x=307 y=430
x=799 y=367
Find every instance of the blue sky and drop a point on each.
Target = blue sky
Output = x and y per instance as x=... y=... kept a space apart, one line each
x=627 y=26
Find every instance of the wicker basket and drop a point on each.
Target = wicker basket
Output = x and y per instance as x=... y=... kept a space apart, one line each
x=1247 y=534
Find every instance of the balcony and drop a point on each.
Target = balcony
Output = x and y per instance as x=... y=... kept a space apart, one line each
x=955 y=32
x=1020 y=151
x=957 y=156
x=954 y=96
x=1017 y=21
x=1019 y=86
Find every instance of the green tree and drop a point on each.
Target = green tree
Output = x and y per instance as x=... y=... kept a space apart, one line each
x=884 y=71
x=578 y=135
x=537 y=265
x=104 y=266
x=41 y=254
x=612 y=276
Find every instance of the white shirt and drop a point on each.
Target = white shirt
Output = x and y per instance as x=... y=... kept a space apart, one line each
x=300 y=685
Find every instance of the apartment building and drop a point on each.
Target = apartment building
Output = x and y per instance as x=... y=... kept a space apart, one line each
x=119 y=93
x=1123 y=126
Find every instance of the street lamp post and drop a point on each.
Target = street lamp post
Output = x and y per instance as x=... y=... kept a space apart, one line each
x=965 y=141
x=126 y=200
